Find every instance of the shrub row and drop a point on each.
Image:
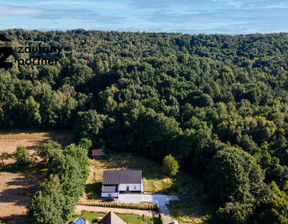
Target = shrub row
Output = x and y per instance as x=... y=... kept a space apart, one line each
x=55 y=201
x=128 y=206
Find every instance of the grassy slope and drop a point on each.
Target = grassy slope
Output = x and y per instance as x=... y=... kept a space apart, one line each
x=193 y=205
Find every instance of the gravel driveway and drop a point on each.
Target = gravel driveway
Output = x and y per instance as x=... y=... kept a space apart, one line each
x=160 y=200
x=157 y=199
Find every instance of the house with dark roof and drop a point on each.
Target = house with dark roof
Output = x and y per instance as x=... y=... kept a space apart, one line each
x=111 y=218
x=121 y=181
x=98 y=153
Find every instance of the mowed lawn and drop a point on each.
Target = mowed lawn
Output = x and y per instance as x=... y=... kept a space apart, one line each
x=193 y=205
x=17 y=188
x=128 y=218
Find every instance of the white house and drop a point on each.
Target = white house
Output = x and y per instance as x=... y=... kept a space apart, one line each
x=121 y=181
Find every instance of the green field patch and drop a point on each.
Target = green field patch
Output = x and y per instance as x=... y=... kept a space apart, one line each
x=130 y=218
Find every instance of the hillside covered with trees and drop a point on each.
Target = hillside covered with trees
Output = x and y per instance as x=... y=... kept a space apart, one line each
x=217 y=103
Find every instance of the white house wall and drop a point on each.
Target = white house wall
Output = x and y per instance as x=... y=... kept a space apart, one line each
x=132 y=187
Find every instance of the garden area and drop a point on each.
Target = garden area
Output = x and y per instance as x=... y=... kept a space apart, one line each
x=95 y=217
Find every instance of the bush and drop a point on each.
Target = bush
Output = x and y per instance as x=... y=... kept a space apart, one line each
x=4 y=156
x=170 y=166
x=85 y=143
x=49 y=150
x=22 y=156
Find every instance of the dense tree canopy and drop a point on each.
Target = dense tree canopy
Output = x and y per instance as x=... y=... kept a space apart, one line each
x=211 y=101
x=234 y=176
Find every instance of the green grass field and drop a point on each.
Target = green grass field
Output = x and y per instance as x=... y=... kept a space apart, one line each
x=128 y=218
x=193 y=205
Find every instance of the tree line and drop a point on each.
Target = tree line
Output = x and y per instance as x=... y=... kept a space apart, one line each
x=58 y=195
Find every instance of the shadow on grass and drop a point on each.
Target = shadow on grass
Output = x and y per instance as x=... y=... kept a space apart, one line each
x=193 y=200
x=125 y=160
x=13 y=219
x=93 y=191
x=40 y=168
x=20 y=189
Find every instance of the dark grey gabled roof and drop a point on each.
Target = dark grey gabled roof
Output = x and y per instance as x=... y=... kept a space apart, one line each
x=122 y=177
x=111 y=218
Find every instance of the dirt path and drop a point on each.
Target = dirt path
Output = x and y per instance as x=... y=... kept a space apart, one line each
x=149 y=213
x=165 y=214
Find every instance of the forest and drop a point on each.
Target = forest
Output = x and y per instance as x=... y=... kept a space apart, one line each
x=217 y=103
